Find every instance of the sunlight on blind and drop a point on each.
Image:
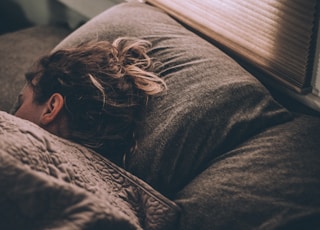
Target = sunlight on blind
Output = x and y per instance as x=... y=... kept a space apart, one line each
x=275 y=35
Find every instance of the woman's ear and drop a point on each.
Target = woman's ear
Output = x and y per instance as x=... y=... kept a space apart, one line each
x=52 y=109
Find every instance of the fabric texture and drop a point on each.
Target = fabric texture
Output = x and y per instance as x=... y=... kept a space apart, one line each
x=212 y=104
x=271 y=181
x=18 y=51
x=51 y=183
x=216 y=143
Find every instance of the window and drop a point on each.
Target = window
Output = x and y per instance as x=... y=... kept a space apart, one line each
x=278 y=36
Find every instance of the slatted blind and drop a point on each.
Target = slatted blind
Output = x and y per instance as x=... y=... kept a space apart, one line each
x=278 y=36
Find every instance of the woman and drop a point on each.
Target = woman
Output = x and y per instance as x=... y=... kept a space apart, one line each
x=94 y=94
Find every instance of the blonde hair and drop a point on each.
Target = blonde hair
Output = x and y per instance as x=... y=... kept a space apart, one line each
x=105 y=86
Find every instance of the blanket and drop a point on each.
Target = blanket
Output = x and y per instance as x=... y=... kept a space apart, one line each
x=51 y=183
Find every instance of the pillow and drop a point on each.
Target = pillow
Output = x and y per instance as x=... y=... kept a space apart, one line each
x=212 y=103
x=50 y=183
x=270 y=181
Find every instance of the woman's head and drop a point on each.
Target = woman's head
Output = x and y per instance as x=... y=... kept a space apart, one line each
x=103 y=88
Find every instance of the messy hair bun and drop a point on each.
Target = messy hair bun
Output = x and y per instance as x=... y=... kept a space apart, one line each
x=133 y=55
x=105 y=88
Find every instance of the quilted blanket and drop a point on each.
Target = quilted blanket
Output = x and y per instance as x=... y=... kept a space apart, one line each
x=47 y=182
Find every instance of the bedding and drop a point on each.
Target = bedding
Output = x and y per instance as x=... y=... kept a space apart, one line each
x=51 y=183
x=217 y=143
x=212 y=104
x=226 y=153
x=271 y=181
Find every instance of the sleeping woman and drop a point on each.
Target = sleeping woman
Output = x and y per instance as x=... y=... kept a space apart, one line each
x=94 y=94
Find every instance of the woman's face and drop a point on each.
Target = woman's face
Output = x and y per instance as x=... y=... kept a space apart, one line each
x=27 y=108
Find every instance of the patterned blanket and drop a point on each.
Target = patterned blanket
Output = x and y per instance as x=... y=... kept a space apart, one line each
x=50 y=183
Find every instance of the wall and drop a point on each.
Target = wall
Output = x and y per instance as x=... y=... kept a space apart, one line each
x=43 y=12
x=90 y=8
x=37 y=12
x=316 y=78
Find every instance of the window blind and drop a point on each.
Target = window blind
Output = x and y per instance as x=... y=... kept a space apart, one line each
x=278 y=36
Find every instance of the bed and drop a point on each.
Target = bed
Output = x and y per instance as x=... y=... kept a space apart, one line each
x=219 y=151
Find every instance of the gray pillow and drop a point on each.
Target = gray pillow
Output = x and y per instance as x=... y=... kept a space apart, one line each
x=270 y=181
x=212 y=104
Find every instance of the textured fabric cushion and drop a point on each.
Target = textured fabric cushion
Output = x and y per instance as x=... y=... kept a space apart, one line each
x=272 y=181
x=18 y=51
x=212 y=104
x=50 y=183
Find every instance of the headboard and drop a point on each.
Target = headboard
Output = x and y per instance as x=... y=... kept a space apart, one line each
x=276 y=36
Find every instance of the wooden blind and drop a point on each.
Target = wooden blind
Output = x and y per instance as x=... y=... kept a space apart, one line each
x=278 y=36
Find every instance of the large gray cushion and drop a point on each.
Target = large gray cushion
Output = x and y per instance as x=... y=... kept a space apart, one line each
x=212 y=104
x=271 y=181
